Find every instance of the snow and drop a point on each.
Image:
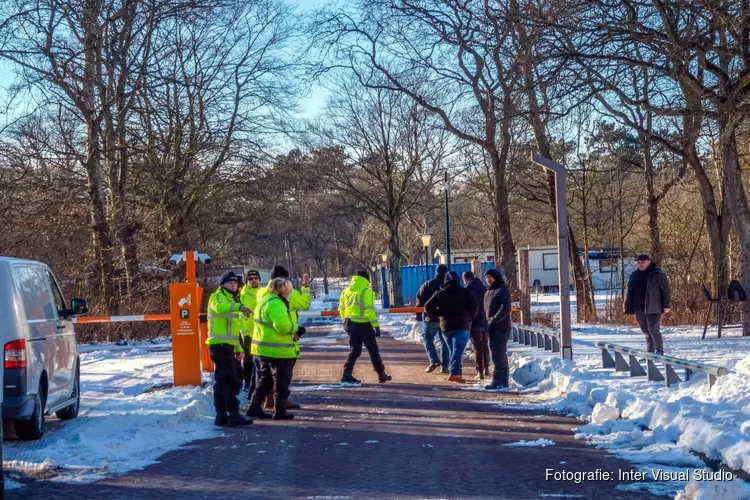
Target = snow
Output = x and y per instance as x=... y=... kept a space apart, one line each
x=538 y=442
x=114 y=432
x=646 y=423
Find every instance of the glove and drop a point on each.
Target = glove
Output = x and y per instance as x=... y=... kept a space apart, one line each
x=301 y=331
x=419 y=316
x=377 y=331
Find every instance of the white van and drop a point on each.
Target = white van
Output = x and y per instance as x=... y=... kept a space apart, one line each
x=41 y=367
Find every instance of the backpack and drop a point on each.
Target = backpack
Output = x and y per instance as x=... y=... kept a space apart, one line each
x=736 y=291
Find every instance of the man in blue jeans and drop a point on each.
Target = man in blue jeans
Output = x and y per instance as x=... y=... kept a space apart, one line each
x=432 y=325
x=456 y=308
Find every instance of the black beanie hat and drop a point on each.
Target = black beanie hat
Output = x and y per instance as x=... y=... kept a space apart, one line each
x=364 y=274
x=252 y=272
x=230 y=276
x=451 y=276
x=442 y=269
x=279 y=272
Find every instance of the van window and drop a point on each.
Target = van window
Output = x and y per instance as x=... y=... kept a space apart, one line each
x=35 y=292
x=59 y=301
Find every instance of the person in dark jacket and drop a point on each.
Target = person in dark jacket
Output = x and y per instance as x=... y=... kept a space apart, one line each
x=497 y=308
x=431 y=325
x=648 y=297
x=479 y=335
x=456 y=308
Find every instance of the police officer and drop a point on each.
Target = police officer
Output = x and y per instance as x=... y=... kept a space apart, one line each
x=298 y=301
x=357 y=310
x=275 y=344
x=224 y=327
x=249 y=299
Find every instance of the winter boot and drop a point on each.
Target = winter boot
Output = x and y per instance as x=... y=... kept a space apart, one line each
x=348 y=378
x=292 y=406
x=281 y=413
x=384 y=377
x=456 y=378
x=221 y=420
x=480 y=375
x=499 y=381
x=432 y=367
x=256 y=409
x=237 y=420
x=269 y=402
x=445 y=371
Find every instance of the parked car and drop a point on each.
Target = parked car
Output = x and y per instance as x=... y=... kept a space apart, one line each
x=41 y=365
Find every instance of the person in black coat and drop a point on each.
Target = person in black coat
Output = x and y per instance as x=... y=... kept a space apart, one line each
x=497 y=308
x=479 y=335
x=431 y=325
x=456 y=308
x=648 y=297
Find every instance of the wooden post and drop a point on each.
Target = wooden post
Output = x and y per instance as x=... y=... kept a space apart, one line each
x=524 y=294
x=476 y=268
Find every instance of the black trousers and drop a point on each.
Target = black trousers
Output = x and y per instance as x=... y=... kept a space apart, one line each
x=227 y=381
x=480 y=339
x=499 y=347
x=248 y=366
x=362 y=333
x=274 y=374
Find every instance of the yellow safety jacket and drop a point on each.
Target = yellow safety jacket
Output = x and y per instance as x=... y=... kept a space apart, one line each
x=249 y=299
x=224 y=319
x=298 y=300
x=357 y=302
x=274 y=330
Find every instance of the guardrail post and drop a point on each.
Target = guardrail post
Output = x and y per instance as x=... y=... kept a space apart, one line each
x=539 y=340
x=514 y=330
x=607 y=359
x=555 y=344
x=636 y=370
x=526 y=337
x=547 y=343
x=620 y=364
x=654 y=375
x=672 y=377
x=532 y=338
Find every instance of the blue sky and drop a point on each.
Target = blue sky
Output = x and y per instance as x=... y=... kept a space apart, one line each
x=310 y=106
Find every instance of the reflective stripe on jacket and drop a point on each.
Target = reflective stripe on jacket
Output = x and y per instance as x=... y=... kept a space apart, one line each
x=357 y=302
x=273 y=336
x=224 y=319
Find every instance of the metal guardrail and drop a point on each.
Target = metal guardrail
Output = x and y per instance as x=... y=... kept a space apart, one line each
x=653 y=373
x=536 y=336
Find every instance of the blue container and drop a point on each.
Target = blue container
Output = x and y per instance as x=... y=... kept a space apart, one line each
x=412 y=277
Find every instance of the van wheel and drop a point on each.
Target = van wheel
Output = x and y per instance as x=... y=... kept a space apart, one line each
x=71 y=411
x=33 y=428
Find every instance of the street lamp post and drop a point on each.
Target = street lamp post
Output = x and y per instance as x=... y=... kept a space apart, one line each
x=383 y=278
x=426 y=238
x=447 y=221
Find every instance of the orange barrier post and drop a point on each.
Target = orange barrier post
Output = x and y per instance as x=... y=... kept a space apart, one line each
x=184 y=306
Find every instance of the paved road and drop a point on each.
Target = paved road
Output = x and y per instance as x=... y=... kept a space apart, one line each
x=418 y=437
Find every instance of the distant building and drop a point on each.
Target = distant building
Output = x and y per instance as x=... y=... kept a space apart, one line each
x=605 y=265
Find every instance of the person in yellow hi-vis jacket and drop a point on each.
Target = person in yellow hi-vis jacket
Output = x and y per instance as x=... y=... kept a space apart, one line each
x=357 y=310
x=224 y=327
x=275 y=344
x=298 y=301
x=249 y=299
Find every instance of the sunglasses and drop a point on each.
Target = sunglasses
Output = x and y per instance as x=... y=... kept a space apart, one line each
x=254 y=278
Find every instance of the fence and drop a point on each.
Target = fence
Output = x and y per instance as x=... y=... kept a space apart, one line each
x=652 y=371
x=412 y=277
x=536 y=336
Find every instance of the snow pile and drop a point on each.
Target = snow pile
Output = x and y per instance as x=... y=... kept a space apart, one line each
x=711 y=490
x=115 y=430
x=539 y=442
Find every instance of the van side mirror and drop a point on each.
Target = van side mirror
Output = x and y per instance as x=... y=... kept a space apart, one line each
x=78 y=306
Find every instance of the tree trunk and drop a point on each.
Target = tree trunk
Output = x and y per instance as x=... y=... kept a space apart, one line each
x=652 y=199
x=394 y=246
x=99 y=222
x=737 y=199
